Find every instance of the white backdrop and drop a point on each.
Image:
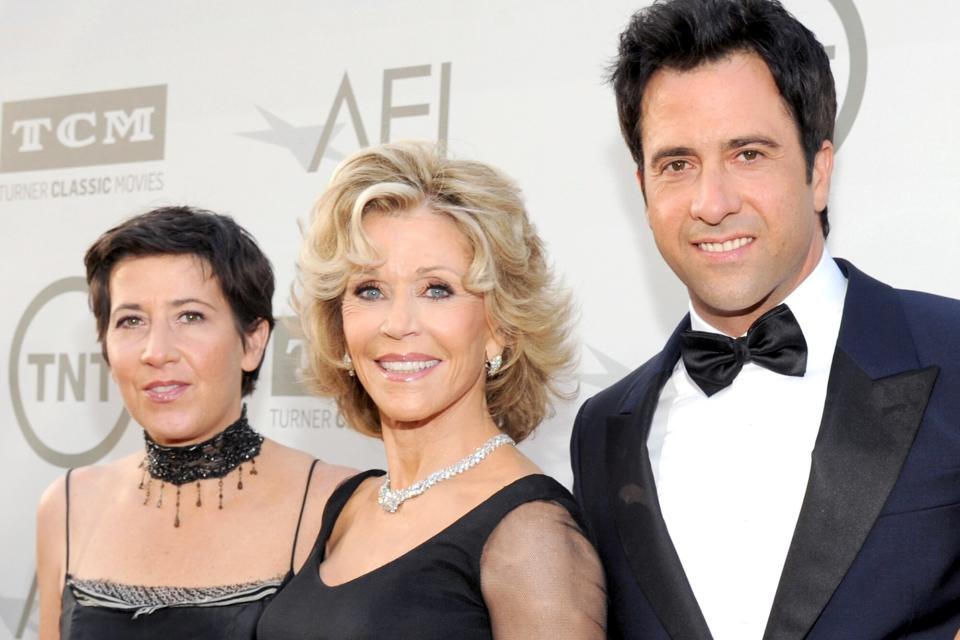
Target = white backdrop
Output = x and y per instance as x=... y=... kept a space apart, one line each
x=229 y=111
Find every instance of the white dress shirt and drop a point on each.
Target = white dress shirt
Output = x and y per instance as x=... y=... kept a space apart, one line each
x=731 y=470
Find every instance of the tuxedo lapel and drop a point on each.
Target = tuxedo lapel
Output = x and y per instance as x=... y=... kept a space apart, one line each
x=642 y=530
x=870 y=419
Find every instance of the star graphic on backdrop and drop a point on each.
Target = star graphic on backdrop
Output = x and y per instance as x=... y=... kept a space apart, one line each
x=300 y=141
x=613 y=370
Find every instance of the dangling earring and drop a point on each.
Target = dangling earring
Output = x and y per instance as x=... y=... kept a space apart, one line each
x=348 y=363
x=493 y=365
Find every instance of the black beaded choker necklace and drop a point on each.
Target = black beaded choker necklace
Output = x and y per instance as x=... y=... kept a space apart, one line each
x=213 y=458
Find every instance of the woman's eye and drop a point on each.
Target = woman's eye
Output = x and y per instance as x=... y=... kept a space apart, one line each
x=129 y=322
x=191 y=316
x=368 y=292
x=438 y=291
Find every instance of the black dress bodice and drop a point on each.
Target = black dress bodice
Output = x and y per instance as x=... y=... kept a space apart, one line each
x=106 y=610
x=237 y=621
x=432 y=591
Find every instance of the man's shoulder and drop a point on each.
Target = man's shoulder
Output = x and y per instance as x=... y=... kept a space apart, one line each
x=934 y=322
x=924 y=307
x=915 y=303
x=930 y=321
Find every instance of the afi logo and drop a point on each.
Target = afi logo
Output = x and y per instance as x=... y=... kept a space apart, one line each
x=107 y=127
x=425 y=115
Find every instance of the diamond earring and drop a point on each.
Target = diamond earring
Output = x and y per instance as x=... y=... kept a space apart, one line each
x=348 y=364
x=493 y=365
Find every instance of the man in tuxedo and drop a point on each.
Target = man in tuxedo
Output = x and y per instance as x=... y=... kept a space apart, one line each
x=789 y=465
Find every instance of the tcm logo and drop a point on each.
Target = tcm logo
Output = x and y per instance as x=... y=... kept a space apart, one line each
x=107 y=127
x=414 y=103
x=60 y=389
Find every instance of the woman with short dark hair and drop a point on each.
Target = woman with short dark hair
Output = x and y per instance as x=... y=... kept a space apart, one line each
x=191 y=538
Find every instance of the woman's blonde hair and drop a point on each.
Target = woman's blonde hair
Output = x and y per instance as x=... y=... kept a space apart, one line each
x=531 y=312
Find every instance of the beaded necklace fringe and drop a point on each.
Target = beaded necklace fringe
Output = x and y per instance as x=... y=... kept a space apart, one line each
x=213 y=458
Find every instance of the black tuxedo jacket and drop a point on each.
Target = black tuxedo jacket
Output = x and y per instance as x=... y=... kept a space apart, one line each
x=876 y=549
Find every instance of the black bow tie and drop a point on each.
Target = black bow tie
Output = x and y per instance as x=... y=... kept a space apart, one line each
x=774 y=341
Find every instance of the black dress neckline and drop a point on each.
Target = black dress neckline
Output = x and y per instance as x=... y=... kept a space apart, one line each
x=432 y=591
x=346 y=490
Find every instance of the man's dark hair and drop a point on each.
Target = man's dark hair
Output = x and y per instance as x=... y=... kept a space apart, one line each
x=683 y=34
x=240 y=267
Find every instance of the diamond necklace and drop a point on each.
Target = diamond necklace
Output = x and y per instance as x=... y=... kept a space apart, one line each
x=391 y=499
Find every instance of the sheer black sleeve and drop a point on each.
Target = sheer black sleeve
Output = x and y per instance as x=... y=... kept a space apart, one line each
x=541 y=578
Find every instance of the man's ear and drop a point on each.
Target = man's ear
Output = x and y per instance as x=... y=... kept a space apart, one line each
x=821 y=175
x=643 y=189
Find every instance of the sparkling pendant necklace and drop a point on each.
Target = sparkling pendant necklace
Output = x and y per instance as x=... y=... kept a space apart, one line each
x=391 y=499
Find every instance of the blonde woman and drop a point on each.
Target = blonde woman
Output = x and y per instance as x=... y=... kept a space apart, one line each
x=431 y=316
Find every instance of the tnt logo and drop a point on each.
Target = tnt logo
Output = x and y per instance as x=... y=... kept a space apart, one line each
x=107 y=127
x=287 y=357
x=59 y=383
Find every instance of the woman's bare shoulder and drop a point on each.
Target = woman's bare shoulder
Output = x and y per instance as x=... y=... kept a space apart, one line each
x=325 y=476
x=51 y=509
x=317 y=488
x=83 y=480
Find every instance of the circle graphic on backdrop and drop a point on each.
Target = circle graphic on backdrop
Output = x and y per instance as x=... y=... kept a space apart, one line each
x=857 y=77
x=838 y=27
x=41 y=448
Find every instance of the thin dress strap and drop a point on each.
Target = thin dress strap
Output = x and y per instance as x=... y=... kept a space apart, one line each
x=331 y=511
x=66 y=569
x=303 y=505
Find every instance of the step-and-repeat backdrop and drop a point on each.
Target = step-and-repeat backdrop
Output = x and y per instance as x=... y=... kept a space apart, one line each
x=109 y=109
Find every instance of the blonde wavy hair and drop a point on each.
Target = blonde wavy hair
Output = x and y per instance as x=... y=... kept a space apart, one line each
x=531 y=311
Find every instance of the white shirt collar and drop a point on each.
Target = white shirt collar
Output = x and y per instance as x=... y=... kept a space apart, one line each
x=817 y=303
